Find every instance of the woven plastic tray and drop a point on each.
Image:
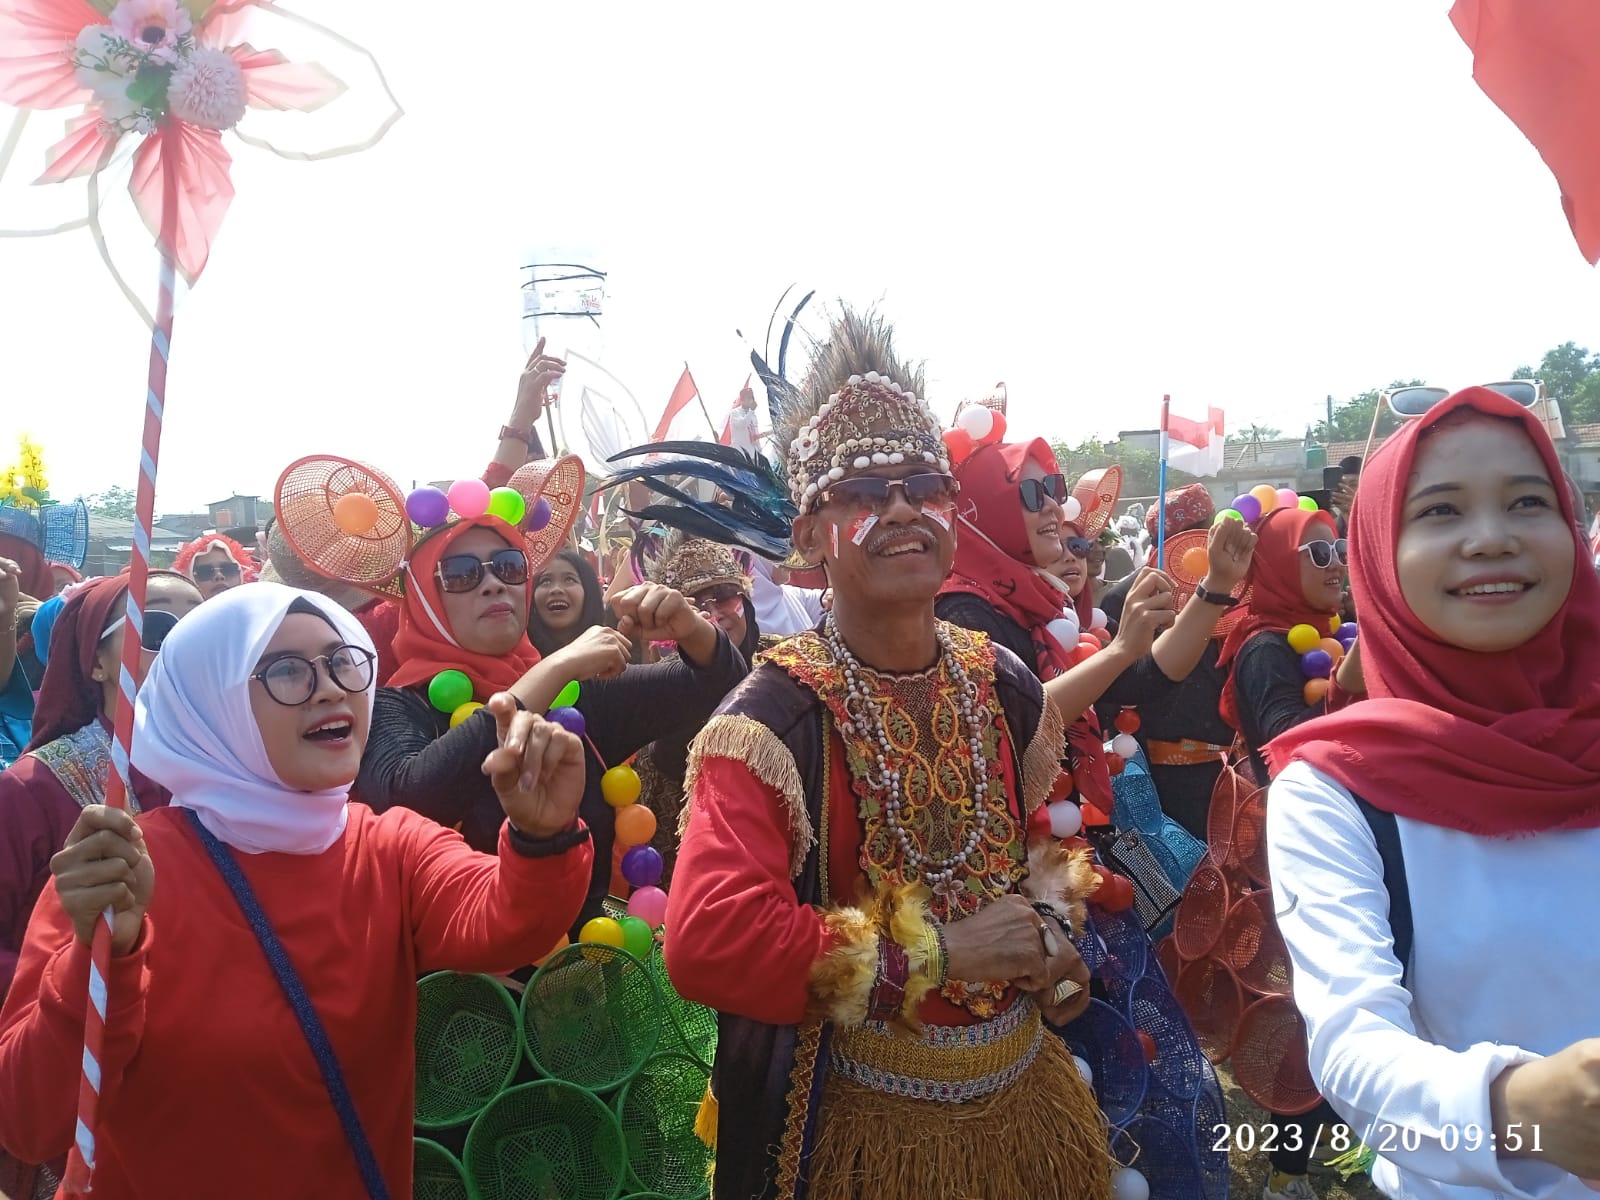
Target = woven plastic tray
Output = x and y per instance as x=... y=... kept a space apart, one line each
x=592 y=1016
x=657 y=1111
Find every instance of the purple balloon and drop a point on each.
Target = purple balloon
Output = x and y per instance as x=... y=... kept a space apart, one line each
x=569 y=719
x=1316 y=664
x=1347 y=632
x=1248 y=507
x=427 y=507
x=538 y=516
x=642 y=866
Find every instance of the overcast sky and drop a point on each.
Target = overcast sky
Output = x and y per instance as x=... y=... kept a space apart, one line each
x=1249 y=204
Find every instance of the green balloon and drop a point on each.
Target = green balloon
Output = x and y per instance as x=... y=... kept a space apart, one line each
x=1225 y=514
x=507 y=504
x=637 y=937
x=1308 y=504
x=568 y=696
x=449 y=690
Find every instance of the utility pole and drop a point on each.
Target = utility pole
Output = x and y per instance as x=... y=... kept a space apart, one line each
x=1330 y=418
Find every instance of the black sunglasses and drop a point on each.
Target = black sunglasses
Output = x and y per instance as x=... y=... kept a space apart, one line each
x=291 y=679
x=1078 y=547
x=153 y=631
x=919 y=490
x=1324 y=552
x=206 y=572
x=1035 y=491
x=463 y=572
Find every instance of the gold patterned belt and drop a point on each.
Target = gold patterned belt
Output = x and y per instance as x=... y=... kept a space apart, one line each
x=954 y=1064
x=1183 y=753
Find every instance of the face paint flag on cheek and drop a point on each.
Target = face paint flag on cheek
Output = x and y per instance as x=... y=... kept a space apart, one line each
x=941 y=515
x=861 y=527
x=833 y=538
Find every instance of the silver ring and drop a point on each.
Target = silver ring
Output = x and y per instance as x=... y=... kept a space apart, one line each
x=1066 y=990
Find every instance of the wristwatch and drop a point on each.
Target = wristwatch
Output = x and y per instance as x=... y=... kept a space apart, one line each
x=1221 y=599
x=510 y=433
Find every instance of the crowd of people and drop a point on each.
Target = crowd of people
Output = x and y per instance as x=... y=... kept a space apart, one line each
x=893 y=807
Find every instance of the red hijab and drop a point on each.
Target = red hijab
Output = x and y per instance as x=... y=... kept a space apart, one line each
x=69 y=696
x=36 y=580
x=424 y=645
x=992 y=556
x=1494 y=744
x=1274 y=600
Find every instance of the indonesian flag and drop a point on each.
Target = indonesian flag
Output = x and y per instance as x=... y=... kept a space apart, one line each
x=670 y=428
x=1539 y=61
x=1193 y=446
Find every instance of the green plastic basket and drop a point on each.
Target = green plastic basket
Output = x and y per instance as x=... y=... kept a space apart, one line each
x=657 y=1112
x=692 y=1027
x=546 y=1141
x=468 y=1047
x=435 y=1173
x=591 y=1016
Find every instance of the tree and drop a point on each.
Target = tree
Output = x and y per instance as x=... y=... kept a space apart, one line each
x=116 y=501
x=1140 y=468
x=1352 y=420
x=1572 y=377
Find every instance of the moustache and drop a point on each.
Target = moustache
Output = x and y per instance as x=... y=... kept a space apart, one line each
x=898 y=533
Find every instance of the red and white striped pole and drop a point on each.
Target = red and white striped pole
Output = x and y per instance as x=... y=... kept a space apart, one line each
x=80 y=1162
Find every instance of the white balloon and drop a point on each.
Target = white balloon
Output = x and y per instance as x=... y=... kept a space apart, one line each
x=1083 y=1069
x=1064 y=631
x=1128 y=1184
x=1072 y=510
x=977 y=421
x=1065 y=819
x=1099 y=620
x=1125 y=744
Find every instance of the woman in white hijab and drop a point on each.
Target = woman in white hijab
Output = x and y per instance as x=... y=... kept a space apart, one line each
x=261 y=1000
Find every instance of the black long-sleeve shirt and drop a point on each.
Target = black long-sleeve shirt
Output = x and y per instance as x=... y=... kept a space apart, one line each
x=415 y=760
x=1271 y=692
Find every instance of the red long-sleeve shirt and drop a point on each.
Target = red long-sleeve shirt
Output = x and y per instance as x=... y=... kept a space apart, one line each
x=210 y=1087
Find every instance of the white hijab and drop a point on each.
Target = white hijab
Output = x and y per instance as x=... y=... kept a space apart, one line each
x=195 y=734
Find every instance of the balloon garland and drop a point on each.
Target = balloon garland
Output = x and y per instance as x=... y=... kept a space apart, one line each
x=1320 y=656
x=468 y=499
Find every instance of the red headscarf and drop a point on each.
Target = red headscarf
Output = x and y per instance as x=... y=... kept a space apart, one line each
x=204 y=544
x=425 y=645
x=992 y=556
x=1487 y=743
x=36 y=579
x=1274 y=599
x=69 y=696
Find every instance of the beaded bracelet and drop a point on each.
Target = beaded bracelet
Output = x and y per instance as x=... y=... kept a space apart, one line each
x=894 y=972
x=1049 y=910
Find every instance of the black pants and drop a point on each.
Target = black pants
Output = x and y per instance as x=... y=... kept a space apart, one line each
x=1299 y=1131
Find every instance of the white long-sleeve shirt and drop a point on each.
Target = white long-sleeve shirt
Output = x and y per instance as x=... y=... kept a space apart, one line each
x=1505 y=967
x=780 y=608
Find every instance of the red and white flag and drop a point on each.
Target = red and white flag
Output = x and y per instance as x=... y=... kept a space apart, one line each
x=671 y=427
x=742 y=426
x=1195 y=447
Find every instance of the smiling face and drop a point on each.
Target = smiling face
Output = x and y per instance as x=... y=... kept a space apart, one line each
x=314 y=746
x=491 y=618
x=558 y=596
x=1323 y=587
x=214 y=573
x=1072 y=569
x=1044 y=528
x=1485 y=556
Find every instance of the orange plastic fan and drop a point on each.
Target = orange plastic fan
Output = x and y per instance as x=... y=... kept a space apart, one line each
x=559 y=483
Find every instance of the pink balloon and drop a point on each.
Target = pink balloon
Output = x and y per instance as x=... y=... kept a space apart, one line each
x=469 y=498
x=649 y=904
x=1288 y=497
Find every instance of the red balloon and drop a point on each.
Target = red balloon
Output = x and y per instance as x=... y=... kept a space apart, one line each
x=1127 y=721
x=1115 y=894
x=1039 y=822
x=1115 y=763
x=1094 y=815
x=998 y=433
x=1149 y=1044
x=1064 y=787
x=959 y=444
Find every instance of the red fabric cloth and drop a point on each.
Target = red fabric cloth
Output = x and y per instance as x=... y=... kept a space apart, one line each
x=1540 y=64
x=69 y=697
x=36 y=579
x=216 y=1091
x=1491 y=744
x=422 y=647
x=992 y=555
x=1274 y=599
x=381 y=619
x=740 y=942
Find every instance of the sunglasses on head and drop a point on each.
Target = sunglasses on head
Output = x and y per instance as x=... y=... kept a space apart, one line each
x=1411 y=402
x=874 y=490
x=1036 y=491
x=464 y=572
x=717 y=597
x=1323 y=553
x=155 y=628
x=206 y=572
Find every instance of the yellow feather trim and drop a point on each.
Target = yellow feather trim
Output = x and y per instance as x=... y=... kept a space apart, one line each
x=759 y=750
x=842 y=979
x=1061 y=878
x=1041 y=762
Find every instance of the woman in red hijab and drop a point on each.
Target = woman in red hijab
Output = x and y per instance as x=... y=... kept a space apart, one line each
x=468 y=592
x=1436 y=844
x=69 y=759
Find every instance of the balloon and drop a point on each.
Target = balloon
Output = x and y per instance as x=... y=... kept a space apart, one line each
x=1303 y=638
x=1064 y=786
x=469 y=498
x=636 y=824
x=1308 y=504
x=602 y=931
x=569 y=719
x=1064 y=631
x=1084 y=1070
x=1334 y=622
x=1316 y=664
x=997 y=432
x=449 y=690
x=649 y=904
x=355 y=513
x=1195 y=562
x=428 y=506
x=977 y=422
x=1092 y=814
x=1266 y=495
x=1065 y=818
x=538 y=515
x=1227 y=513
x=642 y=866
x=1316 y=691
x=1333 y=646
x=507 y=504
x=638 y=939
x=1116 y=764
x=1288 y=498
x=1128 y=1184
x=1125 y=744
x=1039 y=821
x=1248 y=508
x=1115 y=894
x=958 y=444
x=620 y=786
x=1346 y=633
x=1072 y=509
x=1098 y=619
x=567 y=696
x=462 y=712
x=1148 y=1042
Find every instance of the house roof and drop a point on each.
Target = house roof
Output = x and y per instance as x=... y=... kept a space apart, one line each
x=116 y=530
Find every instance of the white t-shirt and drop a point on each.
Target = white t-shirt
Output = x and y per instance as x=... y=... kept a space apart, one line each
x=1505 y=967
x=780 y=608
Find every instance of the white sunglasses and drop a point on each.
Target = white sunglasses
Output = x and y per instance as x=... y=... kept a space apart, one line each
x=1411 y=402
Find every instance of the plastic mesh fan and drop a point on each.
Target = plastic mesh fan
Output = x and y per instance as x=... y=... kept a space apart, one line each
x=1211 y=997
x=467 y=1046
x=1269 y=1057
x=1250 y=837
x=1115 y=1056
x=559 y=483
x=304 y=502
x=1126 y=951
x=693 y=1026
x=657 y=1111
x=435 y=1173
x=1167 y=956
x=1255 y=949
x=1180 y=1065
x=1203 y=911
x=1097 y=493
x=65 y=528
x=1158 y=1152
x=592 y=1016
x=546 y=1141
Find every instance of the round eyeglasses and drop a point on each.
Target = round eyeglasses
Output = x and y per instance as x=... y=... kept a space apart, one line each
x=291 y=679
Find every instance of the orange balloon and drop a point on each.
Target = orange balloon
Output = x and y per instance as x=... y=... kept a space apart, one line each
x=1195 y=562
x=636 y=825
x=1316 y=690
x=355 y=513
x=1267 y=494
x=1333 y=646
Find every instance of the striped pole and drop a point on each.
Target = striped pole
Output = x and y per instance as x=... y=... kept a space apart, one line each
x=80 y=1162
x=1161 y=486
